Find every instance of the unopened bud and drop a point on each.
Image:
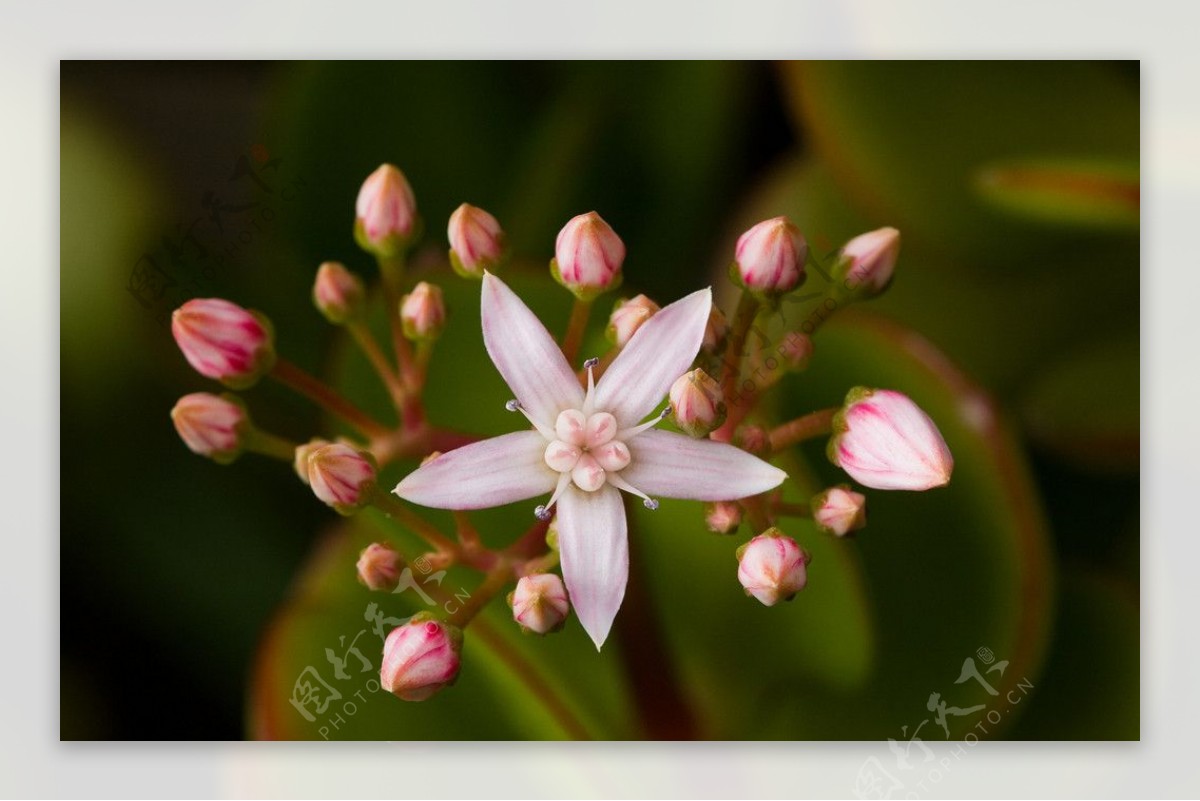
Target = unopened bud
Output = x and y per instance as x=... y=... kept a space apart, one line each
x=588 y=256
x=884 y=441
x=420 y=658
x=770 y=257
x=379 y=567
x=211 y=425
x=222 y=340
x=385 y=212
x=723 y=517
x=840 y=510
x=476 y=241
x=422 y=312
x=868 y=262
x=697 y=403
x=341 y=477
x=797 y=351
x=754 y=439
x=300 y=460
x=772 y=567
x=338 y=293
x=539 y=603
x=627 y=317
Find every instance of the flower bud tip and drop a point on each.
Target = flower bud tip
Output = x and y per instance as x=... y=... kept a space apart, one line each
x=539 y=603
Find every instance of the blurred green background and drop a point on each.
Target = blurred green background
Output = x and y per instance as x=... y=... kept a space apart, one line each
x=1013 y=320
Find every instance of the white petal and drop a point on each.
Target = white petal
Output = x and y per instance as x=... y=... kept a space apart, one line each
x=594 y=549
x=659 y=352
x=493 y=472
x=673 y=465
x=526 y=355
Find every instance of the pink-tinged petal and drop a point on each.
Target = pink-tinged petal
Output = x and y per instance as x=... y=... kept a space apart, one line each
x=673 y=465
x=660 y=351
x=526 y=355
x=890 y=444
x=493 y=472
x=594 y=549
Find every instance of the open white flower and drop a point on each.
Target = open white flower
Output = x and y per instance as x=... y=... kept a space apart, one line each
x=587 y=446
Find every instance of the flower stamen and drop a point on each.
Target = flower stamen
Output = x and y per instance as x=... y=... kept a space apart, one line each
x=514 y=405
x=626 y=434
x=590 y=366
x=621 y=484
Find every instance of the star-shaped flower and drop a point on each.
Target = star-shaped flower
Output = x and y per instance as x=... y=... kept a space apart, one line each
x=587 y=446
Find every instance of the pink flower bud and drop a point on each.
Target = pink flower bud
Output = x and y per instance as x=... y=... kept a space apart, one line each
x=772 y=567
x=723 y=517
x=385 y=212
x=211 y=426
x=422 y=312
x=770 y=256
x=840 y=510
x=338 y=293
x=588 y=255
x=627 y=317
x=754 y=439
x=300 y=460
x=797 y=350
x=884 y=441
x=379 y=567
x=870 y=261
x=222 y=340
x=476 y=241
x=716 y=329
x=697 y=403
x=420 y=658
x=539 y=603
x=341 y=477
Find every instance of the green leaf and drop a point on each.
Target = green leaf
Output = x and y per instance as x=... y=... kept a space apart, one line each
x=1091 y=685
x=1087 y=194
x=1000 y=326
x=1085 y=406
x=909 y=140
x=946 y=572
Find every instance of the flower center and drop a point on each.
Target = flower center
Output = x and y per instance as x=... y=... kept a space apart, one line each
x=587 y=448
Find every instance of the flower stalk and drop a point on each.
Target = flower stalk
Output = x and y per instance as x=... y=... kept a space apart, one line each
x=809 y=426
x=392 y=507
x=326 y=397
x=576 y=327
x=370 y=347
x=267 y=444
x=743 y=321
x=499 y=577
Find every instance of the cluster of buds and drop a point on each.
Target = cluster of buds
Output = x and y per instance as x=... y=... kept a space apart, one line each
x=579 y=448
